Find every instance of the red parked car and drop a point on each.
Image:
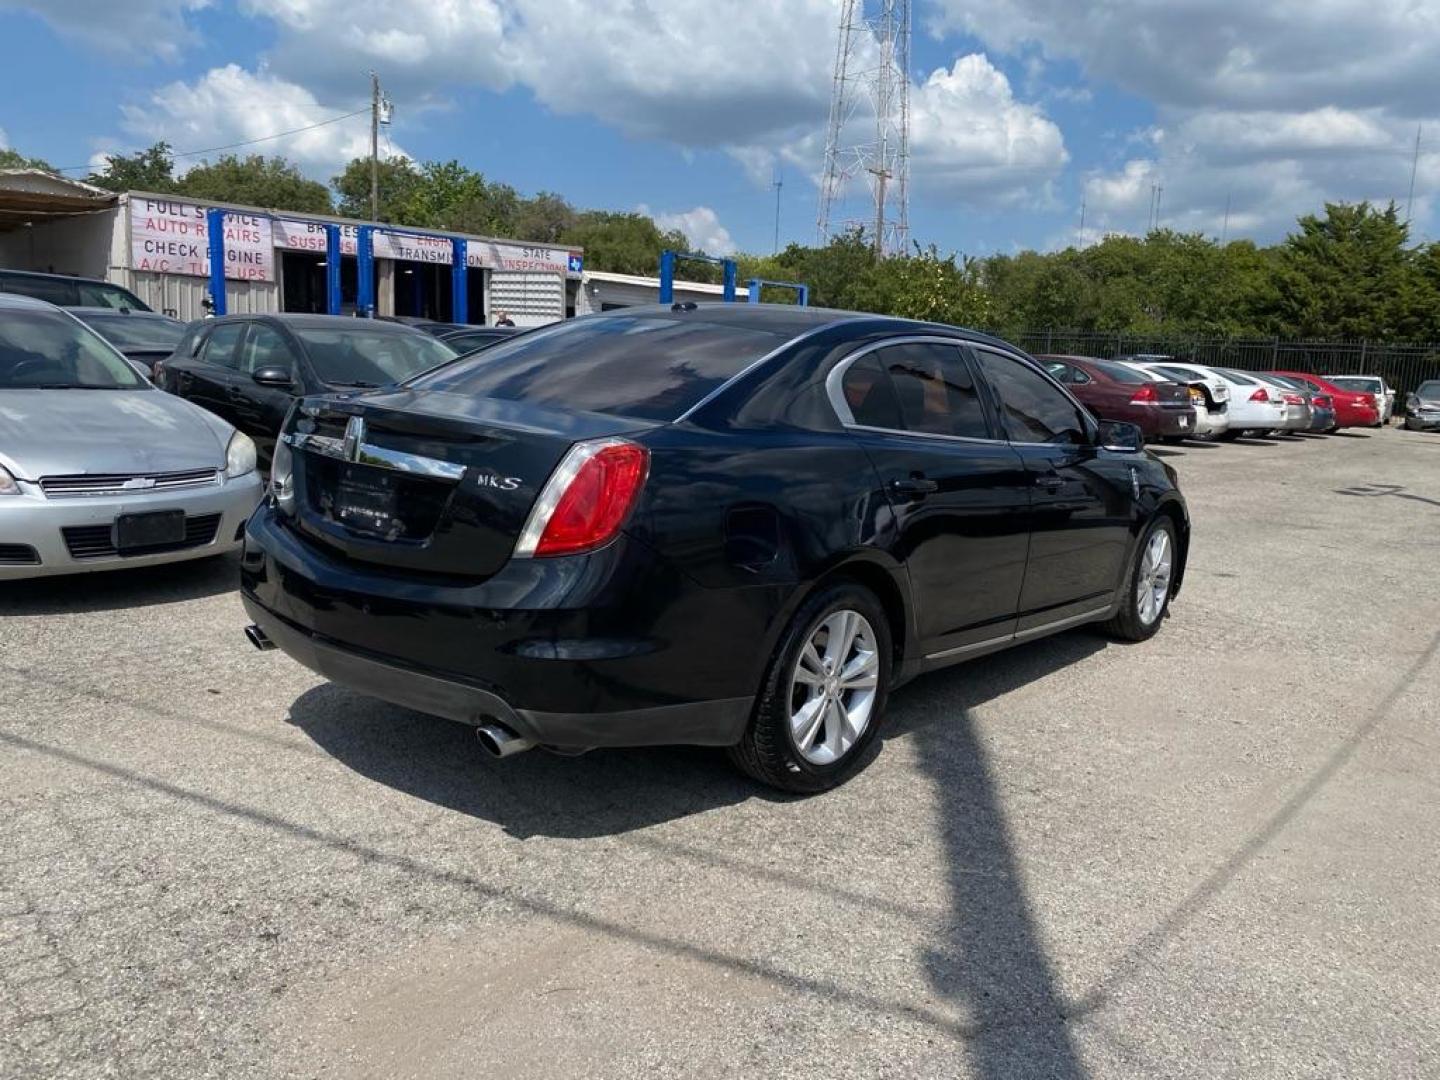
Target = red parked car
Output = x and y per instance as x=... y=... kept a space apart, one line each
x=1112 y=391
x=1352 y=409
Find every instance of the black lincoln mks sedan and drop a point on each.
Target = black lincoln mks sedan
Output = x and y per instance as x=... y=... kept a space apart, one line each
x=726 y=525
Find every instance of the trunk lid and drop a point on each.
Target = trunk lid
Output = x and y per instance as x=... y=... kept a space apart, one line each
x=429 y=481
x=1173 y=395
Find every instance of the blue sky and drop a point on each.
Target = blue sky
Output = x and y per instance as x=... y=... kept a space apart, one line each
x=1022 y=108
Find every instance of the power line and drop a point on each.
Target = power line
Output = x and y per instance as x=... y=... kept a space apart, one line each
x=246 y=142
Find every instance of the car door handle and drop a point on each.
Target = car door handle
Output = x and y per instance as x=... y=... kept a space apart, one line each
x=915 y=485
x=1050 y=483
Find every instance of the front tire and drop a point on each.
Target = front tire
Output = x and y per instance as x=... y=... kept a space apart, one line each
x=1147 y=594
x=823 y=696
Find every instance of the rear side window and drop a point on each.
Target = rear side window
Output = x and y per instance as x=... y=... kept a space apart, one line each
x=646 y=366
x=220 y=348
x=1178 y=374
x=870 y=395
x=1033 y=409
x=935 y=389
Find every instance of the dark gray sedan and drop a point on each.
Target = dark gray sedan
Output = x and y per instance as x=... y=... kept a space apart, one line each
x=1422 y=408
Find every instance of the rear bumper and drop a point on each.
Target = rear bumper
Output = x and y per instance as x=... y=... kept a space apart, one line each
x=1429 y=422
x=610 y=649
x=702 y=723
x=33 y=521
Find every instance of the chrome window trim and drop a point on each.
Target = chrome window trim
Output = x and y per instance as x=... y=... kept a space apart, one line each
x=1035 y=366
x=835 y=391
x=755 y=365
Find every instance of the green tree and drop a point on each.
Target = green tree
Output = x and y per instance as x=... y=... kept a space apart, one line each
x=399 y=180
x=1340 y=273
x=13 y=159
x=621 y=242
x=544 y=218
x=148 y=170
x=273 y=183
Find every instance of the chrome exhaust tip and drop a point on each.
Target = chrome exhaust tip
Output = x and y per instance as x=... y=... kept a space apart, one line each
x=258 y=639
x=501 y=742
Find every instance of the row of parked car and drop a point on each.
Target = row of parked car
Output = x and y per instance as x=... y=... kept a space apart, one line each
x=738 y=526
x=1171 y=399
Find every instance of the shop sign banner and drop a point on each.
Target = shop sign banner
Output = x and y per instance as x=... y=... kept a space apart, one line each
x=492 y=256
x=170 y=237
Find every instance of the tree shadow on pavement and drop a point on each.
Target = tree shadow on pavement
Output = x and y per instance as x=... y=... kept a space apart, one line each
x=116 y=590
x=1376 y=490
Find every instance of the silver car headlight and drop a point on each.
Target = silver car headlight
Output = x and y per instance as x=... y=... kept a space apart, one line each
x=7 y=483
x=239 y=455
x=282 y=475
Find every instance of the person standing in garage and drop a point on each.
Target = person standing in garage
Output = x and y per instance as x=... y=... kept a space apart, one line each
x=502 y=318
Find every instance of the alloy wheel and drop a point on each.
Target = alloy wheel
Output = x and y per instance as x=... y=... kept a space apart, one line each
x=1154 y=584
x=833 y=687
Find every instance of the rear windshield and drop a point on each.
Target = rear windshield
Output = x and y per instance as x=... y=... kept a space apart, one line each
x=1119 y=372
x=1429 y=391
x=645 y=366
x=364 y=356
x=1236 y=377
x=137 y=331
x=1356 y=383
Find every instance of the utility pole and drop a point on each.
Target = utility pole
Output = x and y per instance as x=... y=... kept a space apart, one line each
x=374 y=147
x=777 y=183
x=1225 y=228
x=1414 y=164
x=1150 y=211
x=1159 y=194
x=1080 y=236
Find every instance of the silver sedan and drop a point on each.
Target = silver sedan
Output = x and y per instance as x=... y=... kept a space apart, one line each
x=98 y=468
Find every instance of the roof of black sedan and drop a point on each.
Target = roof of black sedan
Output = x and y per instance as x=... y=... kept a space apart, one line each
x=792 y=320
x=298 y=319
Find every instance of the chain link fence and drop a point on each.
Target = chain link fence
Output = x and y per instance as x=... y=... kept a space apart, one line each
x=1403 y=366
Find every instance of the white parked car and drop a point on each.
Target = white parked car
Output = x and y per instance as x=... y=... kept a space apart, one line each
x=1298 y=414
x=1212 y=415
x=1369 y=384
x=1250 y=407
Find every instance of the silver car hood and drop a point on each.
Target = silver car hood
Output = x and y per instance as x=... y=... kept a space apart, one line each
x=65 y=432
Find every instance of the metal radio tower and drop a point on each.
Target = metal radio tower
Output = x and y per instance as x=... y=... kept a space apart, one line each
x=872 y=65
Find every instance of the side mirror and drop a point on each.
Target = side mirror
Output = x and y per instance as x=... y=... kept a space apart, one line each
x=1118 y=435
x=280 y=378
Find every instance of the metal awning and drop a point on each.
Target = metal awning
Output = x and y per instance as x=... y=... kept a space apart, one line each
x=32 y=196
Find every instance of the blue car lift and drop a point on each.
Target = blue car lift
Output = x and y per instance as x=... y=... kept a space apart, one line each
x=669 y=258
x=802 y=292
x=365 y=265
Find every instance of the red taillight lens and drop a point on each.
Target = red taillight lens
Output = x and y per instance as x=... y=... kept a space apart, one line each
x=586 y=499
x=1260 y=395
x=1323 y=401
x=1144 y=394
x=1294 y=399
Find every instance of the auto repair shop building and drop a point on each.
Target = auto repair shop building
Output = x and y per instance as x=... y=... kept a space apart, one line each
x=158 y=246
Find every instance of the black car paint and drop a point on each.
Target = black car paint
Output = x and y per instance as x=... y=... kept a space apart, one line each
x=754 y=498
x=254 y=407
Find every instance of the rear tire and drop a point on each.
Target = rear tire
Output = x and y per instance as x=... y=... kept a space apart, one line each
x=1229 y=434
x=803 y=735
x=1146 y=597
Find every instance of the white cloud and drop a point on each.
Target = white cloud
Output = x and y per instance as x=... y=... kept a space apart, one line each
x=969 y=136
x=231 y=105
x=701 y=227
x=1272 y=107
x=1280 y=54
x=136 y=27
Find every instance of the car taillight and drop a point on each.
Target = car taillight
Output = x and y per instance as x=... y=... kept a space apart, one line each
x=1260 y=395
x=1367 y=399
x=586 y=499
x=1144 y=394
x=1294 y=399
x=1323 y=401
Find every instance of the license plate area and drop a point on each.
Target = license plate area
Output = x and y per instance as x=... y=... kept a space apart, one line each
x=366 y=500
x=155 y=529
